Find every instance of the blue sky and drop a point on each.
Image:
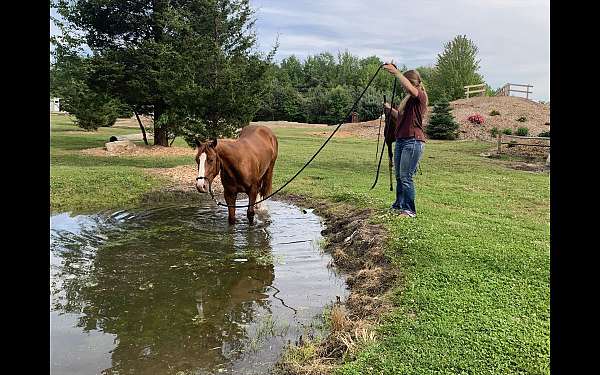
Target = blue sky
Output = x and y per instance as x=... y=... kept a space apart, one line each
x=513 y=36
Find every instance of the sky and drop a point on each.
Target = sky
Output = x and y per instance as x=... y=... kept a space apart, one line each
x=513 y=36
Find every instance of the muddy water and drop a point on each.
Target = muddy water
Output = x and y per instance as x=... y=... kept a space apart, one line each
x=175 y=290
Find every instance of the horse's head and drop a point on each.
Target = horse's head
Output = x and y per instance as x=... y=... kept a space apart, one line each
x=209 y=164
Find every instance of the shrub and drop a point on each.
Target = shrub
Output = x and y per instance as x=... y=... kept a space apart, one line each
x=522 y=132
x=93 y=110
x=494 y=132
x=494 y=113
x=476 y=119
x=522 y=119
x=544 y=134
x=507 y=131
x=441 y=124
x=370 y=107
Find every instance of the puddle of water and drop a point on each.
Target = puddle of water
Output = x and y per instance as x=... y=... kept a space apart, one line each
x=175 y=290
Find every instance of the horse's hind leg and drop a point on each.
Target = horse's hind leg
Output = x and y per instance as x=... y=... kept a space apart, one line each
x=266 y=183
x=252 y=199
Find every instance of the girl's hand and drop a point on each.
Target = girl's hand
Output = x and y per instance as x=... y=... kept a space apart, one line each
x=390 y=68
x=387 y=106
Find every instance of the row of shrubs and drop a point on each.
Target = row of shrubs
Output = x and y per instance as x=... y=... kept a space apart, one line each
x=496 y=113
x=476 y=118
x=522 y=132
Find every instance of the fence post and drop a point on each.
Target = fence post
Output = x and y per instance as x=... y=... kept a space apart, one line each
x=499 y=143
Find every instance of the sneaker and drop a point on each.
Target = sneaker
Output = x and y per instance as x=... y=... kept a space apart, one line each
x=398 y=212
x=410 y=213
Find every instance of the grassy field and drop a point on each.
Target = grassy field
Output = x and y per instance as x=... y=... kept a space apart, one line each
x=475 y=293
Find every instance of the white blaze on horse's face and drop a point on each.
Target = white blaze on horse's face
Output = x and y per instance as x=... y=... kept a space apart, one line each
x=202 y=184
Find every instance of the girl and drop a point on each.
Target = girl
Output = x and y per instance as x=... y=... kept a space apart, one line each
x=409 y=137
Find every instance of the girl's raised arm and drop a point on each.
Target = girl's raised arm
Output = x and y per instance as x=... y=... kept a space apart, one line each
x=412 y=90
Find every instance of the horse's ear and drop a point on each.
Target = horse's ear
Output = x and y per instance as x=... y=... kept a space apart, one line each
x=213 y=144
x=197 y=142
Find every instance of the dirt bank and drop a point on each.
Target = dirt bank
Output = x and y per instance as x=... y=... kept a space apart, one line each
x=357 y=249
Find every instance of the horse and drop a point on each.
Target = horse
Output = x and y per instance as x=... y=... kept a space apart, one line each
x=245 y=165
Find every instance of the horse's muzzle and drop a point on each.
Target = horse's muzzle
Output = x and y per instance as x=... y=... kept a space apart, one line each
x=202 y=184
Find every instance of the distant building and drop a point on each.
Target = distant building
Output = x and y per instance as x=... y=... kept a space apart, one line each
x=54 y=104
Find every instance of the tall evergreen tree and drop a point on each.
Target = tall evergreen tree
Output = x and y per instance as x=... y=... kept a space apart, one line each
x=456 y=67
x=189 y=63
x=441 y=124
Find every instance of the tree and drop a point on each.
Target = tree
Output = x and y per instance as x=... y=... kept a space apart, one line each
x=371 y=105
x=188 y=63
x=457 y=66
x=441 y=124
x=319 y=70
x=69 y=73
x=338 y=102
x=291 y=71
x=348 y=70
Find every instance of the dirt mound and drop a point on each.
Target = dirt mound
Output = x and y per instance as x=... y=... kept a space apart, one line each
x=510 y=108
x=365 y=129
x=142 y=150
x=288 y=124
x=527 y=152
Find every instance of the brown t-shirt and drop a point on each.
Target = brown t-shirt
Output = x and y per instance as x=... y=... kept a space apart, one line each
x=411 y=124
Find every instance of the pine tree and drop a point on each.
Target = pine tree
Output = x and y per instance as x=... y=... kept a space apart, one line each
x=456 y=67
x=191 y=64
x=441 y=124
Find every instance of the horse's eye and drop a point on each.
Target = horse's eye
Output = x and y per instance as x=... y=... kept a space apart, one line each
x=209 y=160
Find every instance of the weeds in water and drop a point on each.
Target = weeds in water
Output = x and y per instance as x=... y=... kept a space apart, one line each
x=266 y=329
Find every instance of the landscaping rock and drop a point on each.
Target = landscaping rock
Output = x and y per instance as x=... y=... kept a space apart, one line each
x=118 y=146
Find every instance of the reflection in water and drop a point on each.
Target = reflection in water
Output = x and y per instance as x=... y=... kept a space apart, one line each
x=174 y=288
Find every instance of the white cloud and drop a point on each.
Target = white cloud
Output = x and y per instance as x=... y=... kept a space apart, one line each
x=512 y=35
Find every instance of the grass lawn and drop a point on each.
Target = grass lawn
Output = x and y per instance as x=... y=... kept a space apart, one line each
x=474 y=296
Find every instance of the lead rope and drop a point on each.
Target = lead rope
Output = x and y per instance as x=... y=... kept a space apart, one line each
x=308 y=162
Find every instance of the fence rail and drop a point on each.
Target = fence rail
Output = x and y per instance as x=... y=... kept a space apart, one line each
x=500 y=143
x=522 y=137
x=480 y=88
x=506 y=89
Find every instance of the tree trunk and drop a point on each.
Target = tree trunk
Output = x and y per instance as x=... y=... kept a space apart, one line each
x=141 y=127
x=158 y=13
x=160 y=133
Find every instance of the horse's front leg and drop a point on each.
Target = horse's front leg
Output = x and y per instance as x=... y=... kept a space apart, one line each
x=230 y=198
x=252 y=199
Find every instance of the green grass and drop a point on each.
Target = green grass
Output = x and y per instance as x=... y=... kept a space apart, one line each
x=85 y=183
x=474 y=295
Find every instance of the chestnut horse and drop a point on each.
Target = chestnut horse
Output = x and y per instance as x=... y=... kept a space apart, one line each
x=245 y=165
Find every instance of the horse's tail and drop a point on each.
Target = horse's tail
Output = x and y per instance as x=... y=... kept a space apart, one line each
x=266 y=187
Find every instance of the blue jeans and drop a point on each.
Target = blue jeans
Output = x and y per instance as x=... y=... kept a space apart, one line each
x=406 y=158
